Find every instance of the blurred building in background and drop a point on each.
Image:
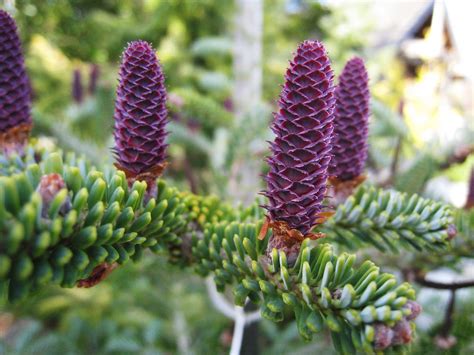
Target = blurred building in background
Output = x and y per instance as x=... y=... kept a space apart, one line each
x=432 y=40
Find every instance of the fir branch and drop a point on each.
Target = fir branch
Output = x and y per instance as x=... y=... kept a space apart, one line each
x=322 y=288
x=191 y=108
x=390 y=220
x=77 y=225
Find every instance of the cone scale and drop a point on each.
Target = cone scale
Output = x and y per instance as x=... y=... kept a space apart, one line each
x=140 y=115
x=15 y=118
x=301 y=150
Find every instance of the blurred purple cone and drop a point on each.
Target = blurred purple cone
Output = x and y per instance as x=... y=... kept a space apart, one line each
x=93 y=78
x=77 y=90
x=351 y=122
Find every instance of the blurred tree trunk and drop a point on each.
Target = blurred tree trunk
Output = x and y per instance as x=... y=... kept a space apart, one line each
x=247 y=95
x=247 y=67
x=248 y=30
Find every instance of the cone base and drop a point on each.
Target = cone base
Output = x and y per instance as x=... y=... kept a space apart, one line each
x=285 y=238
x=150 y=176
x=340 y=190
x=15 y=139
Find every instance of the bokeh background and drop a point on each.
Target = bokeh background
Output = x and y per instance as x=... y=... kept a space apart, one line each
x=224 y=62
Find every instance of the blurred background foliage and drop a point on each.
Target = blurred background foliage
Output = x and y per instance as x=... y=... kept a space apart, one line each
x=152 y=307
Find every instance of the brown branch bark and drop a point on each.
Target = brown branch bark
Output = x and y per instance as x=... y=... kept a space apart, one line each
x=442 y=285
x=459 y=156
x=395 y=159
x=398 y=147
x=448 y=317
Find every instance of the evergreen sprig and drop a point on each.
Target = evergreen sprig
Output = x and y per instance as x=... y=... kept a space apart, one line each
x=321 y=288
x=390 y=220
x=414 y=179
x=61 y=237
x=64 y=222
x=109 y=222
x=463 y=244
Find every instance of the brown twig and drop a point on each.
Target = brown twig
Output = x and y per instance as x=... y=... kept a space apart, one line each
x=442 y=285
x=396 y=159
x=448 y=316
x=444 y=340
x=458 y=156
x=398 y=147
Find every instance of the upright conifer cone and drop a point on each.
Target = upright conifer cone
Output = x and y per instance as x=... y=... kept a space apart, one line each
x=15 y=118
x=93 y=78
x=140 y=115
x=470 y=193
x=301 y=151
x=351 y=122
x=77 y=89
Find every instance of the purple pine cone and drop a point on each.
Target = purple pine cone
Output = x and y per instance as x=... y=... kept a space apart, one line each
x=93 y=78
x=351 y=122
x=301 y=151
x=140 y=113
x=14 y=83
x=470 y=194
x=77 y=90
